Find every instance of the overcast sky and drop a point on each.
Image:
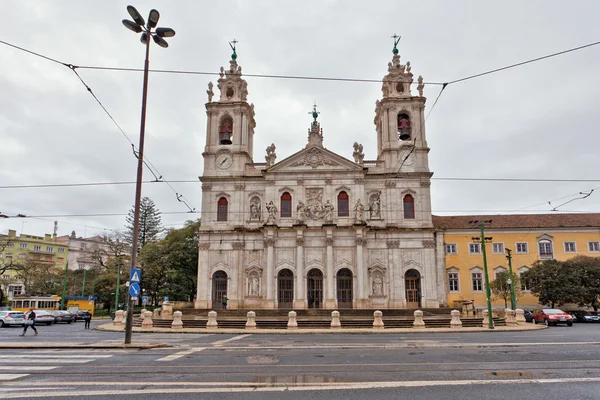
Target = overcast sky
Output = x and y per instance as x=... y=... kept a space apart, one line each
x=535 y=121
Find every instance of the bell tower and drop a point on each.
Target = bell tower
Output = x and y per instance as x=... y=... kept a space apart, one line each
x=230 y=123
x=400 y=121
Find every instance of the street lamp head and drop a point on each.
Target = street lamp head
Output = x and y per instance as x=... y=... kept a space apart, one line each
x=137 y=17
x=160 y=41
x=132 y=26
x=153 y=18
x=165 y=32
x=144 y=38
x=509 y=281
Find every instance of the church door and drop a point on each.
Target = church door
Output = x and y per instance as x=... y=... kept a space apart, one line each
x=219 y=289
x=315 y=288
x=412 y=280
x=285 y=289
x=344 y=288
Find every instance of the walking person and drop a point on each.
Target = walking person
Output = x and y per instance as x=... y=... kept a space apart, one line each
x=87 y=318
x=224 y=300
x=29 y=321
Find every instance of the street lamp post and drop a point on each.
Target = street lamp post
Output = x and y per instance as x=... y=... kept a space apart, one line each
x=138 y=25
x=488 y=294
x=513 y=299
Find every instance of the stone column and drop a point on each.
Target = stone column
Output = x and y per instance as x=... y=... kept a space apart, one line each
x=177 y=322
x=360 y=271
x=292 y=323
x=299 y=300
x=377 y=320
x=418 y=323
x=270 y=301
x=335 y=320
x=330 y=298
x=251 y=322
x=455 y=322
x=202 y=292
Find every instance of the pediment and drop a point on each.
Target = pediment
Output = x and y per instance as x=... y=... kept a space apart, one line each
x=315 y=158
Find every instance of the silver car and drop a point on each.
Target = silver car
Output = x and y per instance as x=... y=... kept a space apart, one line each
x=8 y=318
x=44 y=317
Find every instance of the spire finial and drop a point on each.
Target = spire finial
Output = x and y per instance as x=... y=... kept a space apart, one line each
x=314 y=113
x=396 y=40
x=232 y=45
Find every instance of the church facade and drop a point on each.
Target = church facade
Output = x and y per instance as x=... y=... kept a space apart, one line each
x=317 y=230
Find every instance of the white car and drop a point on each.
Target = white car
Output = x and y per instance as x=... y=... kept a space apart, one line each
x=44 y=317
x=8 y=318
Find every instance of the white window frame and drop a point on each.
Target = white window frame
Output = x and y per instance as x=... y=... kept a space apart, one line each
x=551 y=247
x=49 y=249
x=521 y=271
x=523 y=244
x=594 y=247
x=453 y=246
x=473 y=246
x=568 y=244
x=453 y=277
x=497 y=244
x=37 y=247
x=22 y=245
x=479 y=277
x=61 y=249
x=499 y=270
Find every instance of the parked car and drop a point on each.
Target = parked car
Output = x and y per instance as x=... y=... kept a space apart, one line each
x=552 y=316
x=44 y=317
x=528 y=315
x=8 y=318
x=585 y=316
x=63 y=316
x=80 y=315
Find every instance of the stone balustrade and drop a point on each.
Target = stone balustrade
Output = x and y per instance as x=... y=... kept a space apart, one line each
x=156 y=313
x=418 y=322
x=455 y=322
x=167 y=310
x=335 y=320
x=377 y=320
x=251 y=322
x=177 y=322
x=212 y=320
x=292 y=323
x=147 y=322
x=520 y=316
x=119 y=317
x=509 y=317
x=143 y=313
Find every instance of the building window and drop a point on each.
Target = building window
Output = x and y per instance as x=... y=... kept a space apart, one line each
x=61 y=250
x=522 y=248
x=477 y=281
x=6 y=277
x=453 y=282
x=594 y=247
x=545 y=248
x=60 y=259
x=498 y=248
x=451 y=248
x=22 y=255
x=10 y=244
x=222 y=209
x=286 y=205
x=226 y=131
x=570 y=247
x=404 y=128
x=37 y=248
x=81 y=267
x=22 y=245
x=474 y=248
x=49 y=249
x=409 y=207
x=498 y=271
x=525 y=285
x=343 y=205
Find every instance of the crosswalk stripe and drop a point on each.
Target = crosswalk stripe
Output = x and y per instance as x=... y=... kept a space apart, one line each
x=60 y=356
x=180 y=354
x=26 y=368
x=10 y=377
x=54 y=361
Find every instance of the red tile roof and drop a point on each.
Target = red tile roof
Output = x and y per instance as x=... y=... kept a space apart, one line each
x=519 y=221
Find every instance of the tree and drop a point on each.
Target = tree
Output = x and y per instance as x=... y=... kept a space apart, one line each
x=554 y=282
x=150 y=223
x=501 y=289
x=586 y=271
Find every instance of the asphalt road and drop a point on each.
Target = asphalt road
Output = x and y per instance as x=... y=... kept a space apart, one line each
x=549 y=364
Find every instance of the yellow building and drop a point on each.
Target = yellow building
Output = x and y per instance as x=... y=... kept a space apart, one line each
x=530 y=237
x=22 y=248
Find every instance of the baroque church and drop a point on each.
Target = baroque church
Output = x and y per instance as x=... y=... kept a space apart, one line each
x=317 y=230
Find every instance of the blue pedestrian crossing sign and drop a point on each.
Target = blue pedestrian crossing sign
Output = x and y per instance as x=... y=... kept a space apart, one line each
x=134 y=289
x=136 y=275
x=144 y=299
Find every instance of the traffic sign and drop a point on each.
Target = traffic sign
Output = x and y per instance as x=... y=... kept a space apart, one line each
x=144 y=299
x=134 y=289
x=166 y=299
x=136 y=275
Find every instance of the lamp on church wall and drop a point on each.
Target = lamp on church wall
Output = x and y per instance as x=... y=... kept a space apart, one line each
x=138 y=25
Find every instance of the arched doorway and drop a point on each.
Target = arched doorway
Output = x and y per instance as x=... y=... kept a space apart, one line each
x=314 y=287
x=344 y=288
x=412 y=280
x=219 y=289
x=285 y=289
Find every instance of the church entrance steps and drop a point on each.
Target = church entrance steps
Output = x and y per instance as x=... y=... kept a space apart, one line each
x=344 y=312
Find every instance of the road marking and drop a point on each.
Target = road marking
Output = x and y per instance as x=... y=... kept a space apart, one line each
x=60 y=356
x=10 y=377
x=221 y=342
x=54 y=361
x=181 y=354
x=27 y=368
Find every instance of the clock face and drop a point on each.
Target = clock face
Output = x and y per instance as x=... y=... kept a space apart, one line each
x=411 y=157
x=224 y=160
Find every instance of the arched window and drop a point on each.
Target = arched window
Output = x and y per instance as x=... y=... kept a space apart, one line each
x=226 y=131
x=409 y=207
x=404 y=127
x=222 y=209
x=343 y=205
x=286 y=205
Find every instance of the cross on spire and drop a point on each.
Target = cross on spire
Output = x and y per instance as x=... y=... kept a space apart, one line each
x=396 y=40
x=314 y=113
x=232 y=45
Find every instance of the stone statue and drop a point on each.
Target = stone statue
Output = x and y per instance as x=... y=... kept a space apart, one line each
x=375 y=206
x=359 y=208
x=271 y=156
x=420 y=86
x=328 y=211
x=272 y=210
x=210 y=92
x=408 y=67
x=253 y=286
x=255 y=211
x=377 y=286
x=222 y=72
x=300 y=212
x=358 y=153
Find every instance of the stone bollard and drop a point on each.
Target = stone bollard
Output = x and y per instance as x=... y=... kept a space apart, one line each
x=509 y=317
x=292 y=323
x=177 y=322
x=251 y=323
x=455 y=322
x=143 y=313
x=418 y=323
x=147 y=323
x=124 y=317
x=335 y=320
x=156 y=313
x=118 y=317
x=212 y=320
x=377 y=320
x=167 y=310
x=520 y=315
x=485 y=322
